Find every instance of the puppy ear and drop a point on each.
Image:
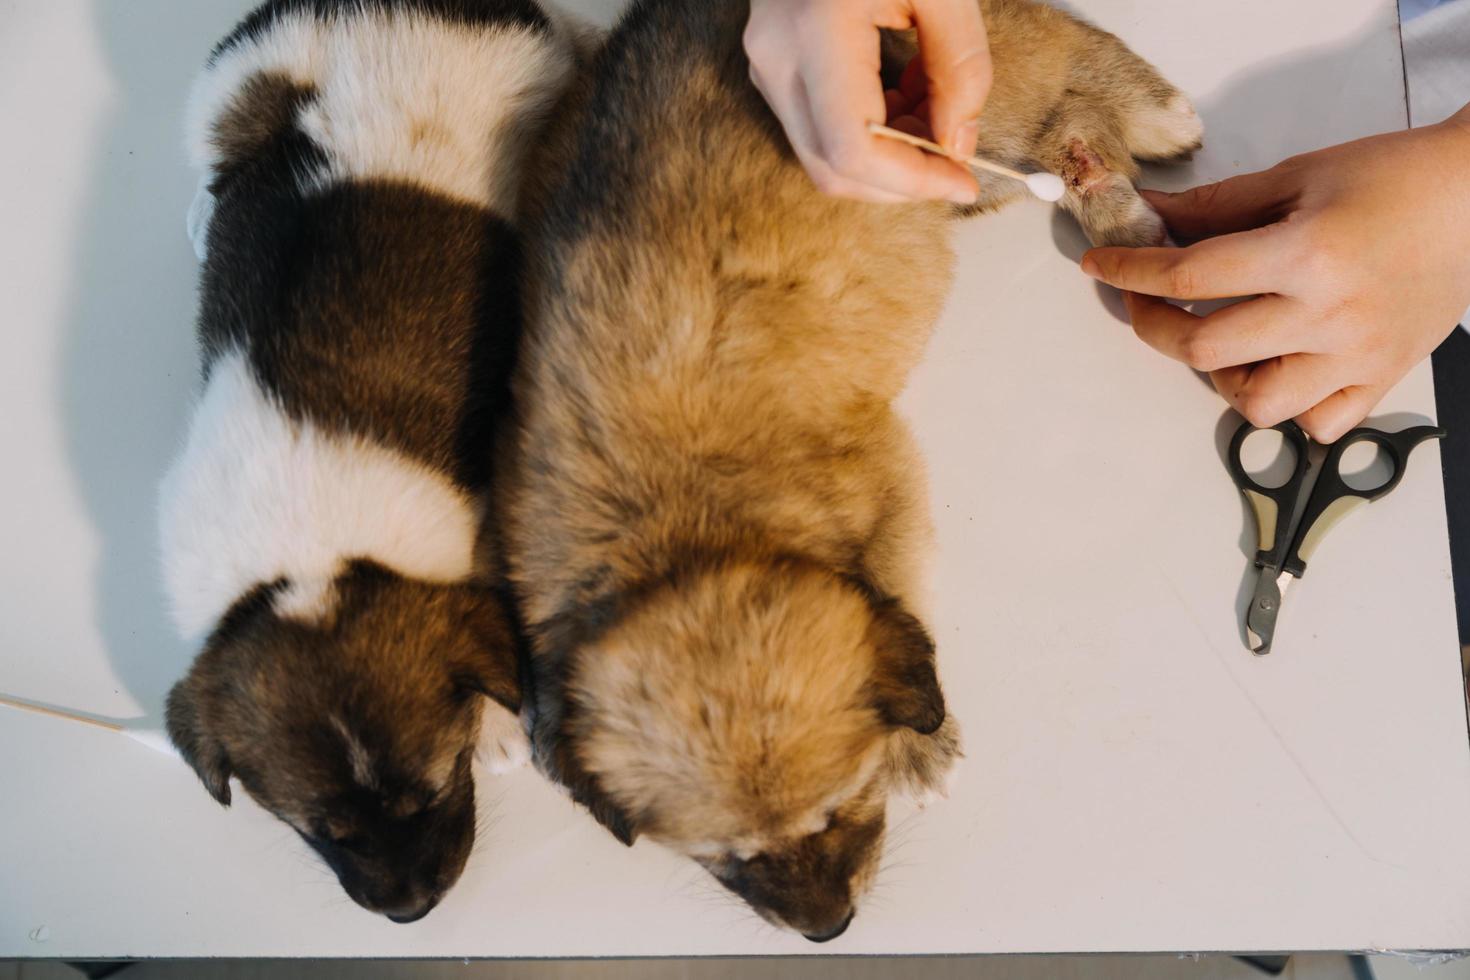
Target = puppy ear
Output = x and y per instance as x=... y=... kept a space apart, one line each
x=555 y=756
x=490 y=668
x=189 y=730
x=586 y=791
x=553 y=733
x=610 y=815
x=905 y=687
x=495 y=681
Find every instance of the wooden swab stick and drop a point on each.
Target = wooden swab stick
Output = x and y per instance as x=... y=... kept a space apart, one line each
x=1048 y=187
x=55 y=713
x=154 y=739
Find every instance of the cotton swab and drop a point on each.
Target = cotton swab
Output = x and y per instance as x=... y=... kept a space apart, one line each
x=151 y=737
x=1048 y=187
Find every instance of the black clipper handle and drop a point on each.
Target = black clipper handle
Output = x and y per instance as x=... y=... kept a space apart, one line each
x=1332 y=499
x=1272 y=506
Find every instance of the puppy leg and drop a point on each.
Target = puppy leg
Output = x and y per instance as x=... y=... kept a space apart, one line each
x=503 y=746
x=1086 y=150
x=1116 y=111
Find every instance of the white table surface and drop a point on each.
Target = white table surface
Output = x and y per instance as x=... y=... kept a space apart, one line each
x=1135 y=780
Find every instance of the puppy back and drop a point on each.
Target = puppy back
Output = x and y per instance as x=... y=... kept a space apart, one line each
x=358 y=314
x=364 y=160
x=712 y=344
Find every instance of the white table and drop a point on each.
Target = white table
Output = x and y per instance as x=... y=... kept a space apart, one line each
x=1135 y=780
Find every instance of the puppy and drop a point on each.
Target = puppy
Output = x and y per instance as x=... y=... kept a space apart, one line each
x=358 y=321
x=715 y=522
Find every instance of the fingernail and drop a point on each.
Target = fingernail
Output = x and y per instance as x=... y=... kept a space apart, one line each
x=965 y=197
x=1089 y=267
x=1148 y=194
x=965 y=137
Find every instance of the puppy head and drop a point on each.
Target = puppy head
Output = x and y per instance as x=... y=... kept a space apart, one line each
x=743 y=715
x=355 y=724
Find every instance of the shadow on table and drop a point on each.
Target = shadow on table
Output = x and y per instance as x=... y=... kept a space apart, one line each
x=128 y=363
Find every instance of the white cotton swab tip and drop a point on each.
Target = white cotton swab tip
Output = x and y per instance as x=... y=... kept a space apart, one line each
x=154 y=738
x=1048 y=187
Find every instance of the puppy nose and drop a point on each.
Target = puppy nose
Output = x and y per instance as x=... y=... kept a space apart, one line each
x=822 y=937
x=403 y=916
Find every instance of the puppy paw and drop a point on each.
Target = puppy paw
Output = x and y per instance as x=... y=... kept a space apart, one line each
x=1171 y=130
x=503 y=746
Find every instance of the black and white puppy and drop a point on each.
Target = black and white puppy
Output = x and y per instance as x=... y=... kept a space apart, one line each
x=321 y=530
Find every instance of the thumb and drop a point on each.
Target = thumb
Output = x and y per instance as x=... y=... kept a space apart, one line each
x=1234 y=204
x=956 y=58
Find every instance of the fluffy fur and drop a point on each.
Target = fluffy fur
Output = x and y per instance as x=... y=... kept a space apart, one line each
x=715 y=520
x=400 y=94
x=256 y=497
x=322 y=529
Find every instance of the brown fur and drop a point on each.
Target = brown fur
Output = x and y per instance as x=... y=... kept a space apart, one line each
x=715 y=520
x=371 y=296
x=358 y=731
x=1073 y=100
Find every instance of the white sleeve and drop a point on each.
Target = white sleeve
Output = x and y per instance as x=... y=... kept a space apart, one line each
x=1436 y=37
x=1437 y=61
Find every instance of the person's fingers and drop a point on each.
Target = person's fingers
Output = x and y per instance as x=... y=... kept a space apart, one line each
x=1281 y=388
x=1241 y=264
x=1231 y=205
x=788 y=99
x=1242 y=333
x=957 y=69
x=1330 y=418
x=841 y=79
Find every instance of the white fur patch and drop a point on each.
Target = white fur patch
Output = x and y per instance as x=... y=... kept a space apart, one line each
x=401 y=96
x=308 y=600
x=1165 y=130
x=256 y=496
x=358 y=757
x=503 y=745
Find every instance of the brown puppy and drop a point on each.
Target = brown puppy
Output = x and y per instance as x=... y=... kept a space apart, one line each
x=358 y=320
x=715 y=520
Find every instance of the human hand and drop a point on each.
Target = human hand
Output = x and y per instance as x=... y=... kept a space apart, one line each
x=817 y=63
x=1357 y=258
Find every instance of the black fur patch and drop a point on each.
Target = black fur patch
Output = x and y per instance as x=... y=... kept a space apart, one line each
x=371 y=308
x=482 y=13
x=377 y=309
